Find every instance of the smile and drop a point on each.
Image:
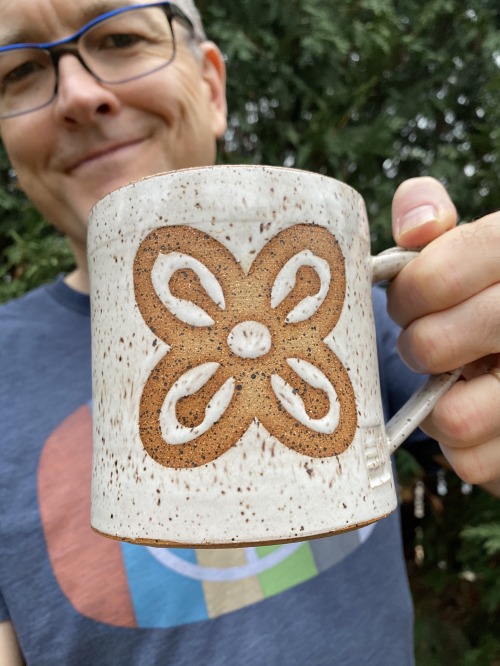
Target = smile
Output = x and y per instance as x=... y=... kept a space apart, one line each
x=103 y=155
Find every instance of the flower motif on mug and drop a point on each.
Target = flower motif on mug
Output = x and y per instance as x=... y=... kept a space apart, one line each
x=244 y=346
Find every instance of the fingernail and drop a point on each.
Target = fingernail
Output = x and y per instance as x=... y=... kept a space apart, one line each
x=416 y=217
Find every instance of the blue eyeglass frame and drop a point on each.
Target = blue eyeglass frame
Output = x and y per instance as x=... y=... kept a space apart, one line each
x=60 y=47
x=171 y=11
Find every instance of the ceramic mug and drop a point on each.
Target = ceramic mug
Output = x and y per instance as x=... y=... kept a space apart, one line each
x=236 y=395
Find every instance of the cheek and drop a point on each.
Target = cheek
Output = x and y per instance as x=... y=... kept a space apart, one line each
x=29 y=150
x=175 y=94
x=26 y=145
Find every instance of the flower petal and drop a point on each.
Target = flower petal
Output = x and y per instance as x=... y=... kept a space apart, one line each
x=293 y=403
x=190 y=382
x=285 y=282
x=164 y=268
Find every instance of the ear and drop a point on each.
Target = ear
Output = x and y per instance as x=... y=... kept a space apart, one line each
x=214 y=75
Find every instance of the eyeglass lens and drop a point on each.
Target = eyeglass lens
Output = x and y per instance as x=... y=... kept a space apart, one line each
x=117 y=49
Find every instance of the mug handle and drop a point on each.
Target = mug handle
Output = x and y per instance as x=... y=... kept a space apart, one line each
x=386 y=266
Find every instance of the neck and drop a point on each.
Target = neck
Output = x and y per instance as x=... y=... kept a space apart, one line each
x=78 y=280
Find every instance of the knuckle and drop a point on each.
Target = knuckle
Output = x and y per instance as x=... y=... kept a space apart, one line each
x=471 y=469
x=455 y=422
x=490 y=320
x=432 y=344
x=438 y=278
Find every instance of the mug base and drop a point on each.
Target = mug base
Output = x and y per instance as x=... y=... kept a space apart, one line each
x=161 y=543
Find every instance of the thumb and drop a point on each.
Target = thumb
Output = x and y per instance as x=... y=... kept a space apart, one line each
x=421 y=211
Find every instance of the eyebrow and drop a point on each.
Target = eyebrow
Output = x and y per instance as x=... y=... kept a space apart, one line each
x=25 y=35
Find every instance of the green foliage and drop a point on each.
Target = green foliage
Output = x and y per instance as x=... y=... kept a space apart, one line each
x=482 y=552
x=30 y=251
x=453 y=557
x=369 y=91
x=488 y=535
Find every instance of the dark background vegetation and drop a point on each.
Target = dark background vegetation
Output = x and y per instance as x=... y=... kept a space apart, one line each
x=371 y=92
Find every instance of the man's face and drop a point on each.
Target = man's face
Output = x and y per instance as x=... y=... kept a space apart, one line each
x=93 y=138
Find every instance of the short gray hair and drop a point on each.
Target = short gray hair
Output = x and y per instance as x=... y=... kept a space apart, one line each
x=189 y=8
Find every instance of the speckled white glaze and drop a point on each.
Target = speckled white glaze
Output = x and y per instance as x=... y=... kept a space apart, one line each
x=259 y=490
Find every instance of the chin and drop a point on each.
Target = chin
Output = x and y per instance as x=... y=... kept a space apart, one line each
x=99 y=193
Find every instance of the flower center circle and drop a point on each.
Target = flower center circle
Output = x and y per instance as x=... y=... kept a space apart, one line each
x=250 y=340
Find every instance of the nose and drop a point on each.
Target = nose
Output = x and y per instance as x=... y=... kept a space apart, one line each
x=80 y=97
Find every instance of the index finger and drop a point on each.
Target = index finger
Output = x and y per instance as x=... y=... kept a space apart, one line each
x=453 y=268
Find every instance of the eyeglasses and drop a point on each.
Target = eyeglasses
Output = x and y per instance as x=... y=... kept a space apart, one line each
x=116 y=47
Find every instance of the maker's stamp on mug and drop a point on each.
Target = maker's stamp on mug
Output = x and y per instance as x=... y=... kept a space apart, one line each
x=376 y=456
x=244 y=346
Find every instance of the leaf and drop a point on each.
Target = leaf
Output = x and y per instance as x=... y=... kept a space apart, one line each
x=488 y=535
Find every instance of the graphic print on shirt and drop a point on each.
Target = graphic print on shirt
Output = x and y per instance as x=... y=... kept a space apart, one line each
x=127 y=585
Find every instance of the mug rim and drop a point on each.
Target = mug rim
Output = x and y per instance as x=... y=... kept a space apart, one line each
x=209 y=167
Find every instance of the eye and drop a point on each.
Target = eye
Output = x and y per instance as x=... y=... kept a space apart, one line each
x=20 y=73
x=121 y=41
x=130 y=30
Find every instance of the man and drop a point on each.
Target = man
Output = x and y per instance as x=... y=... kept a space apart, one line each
x=68 y=596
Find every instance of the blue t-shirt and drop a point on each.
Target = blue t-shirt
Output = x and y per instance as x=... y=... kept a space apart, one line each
x=77 y=598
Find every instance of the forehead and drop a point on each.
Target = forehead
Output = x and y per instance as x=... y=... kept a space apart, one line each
x=48 y=20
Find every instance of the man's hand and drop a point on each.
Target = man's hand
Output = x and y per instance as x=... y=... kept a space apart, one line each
x=448 y=303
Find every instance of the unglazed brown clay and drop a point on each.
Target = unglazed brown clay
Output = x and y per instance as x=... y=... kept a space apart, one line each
x=250 y=357
x=235 y=383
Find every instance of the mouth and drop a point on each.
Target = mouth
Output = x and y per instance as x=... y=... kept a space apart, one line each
x=102 y=155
